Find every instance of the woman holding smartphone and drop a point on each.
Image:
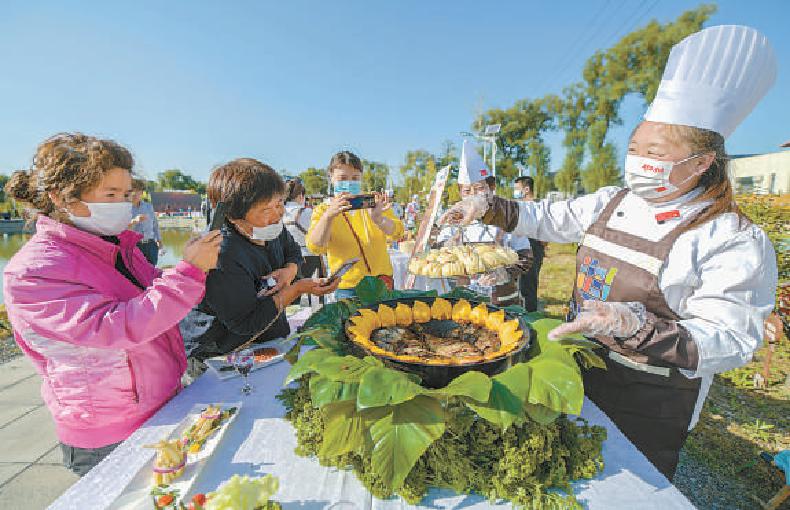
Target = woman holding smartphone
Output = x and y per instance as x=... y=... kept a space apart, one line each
x=256 y=275
x=349 y=226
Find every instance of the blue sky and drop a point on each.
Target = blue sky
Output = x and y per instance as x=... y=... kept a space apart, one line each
x=192 y=84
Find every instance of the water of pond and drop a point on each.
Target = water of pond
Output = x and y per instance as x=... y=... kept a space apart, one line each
x=173 y=241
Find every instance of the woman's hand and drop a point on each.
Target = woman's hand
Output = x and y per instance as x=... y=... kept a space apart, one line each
x=338 y=204
x=382 y=204
x=283 y=276
x=599 y=318
x=202 y=252
x=317 y=286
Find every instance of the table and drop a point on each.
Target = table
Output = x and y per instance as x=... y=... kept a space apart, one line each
x=261 y=442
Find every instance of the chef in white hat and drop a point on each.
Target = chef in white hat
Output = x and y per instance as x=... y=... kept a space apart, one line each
x=672 y=279
x=476 y=179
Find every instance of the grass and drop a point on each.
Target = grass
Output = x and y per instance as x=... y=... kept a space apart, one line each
x=720 y=467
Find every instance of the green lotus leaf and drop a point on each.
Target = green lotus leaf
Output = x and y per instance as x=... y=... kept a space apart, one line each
x=474 y=385
x=329 y=336
x=347 y=369
x=324 y=391
x=402 y=436
x=466 y=293
x=556 y=382
x=509 y=391
x=371 y=290
x=382 y=386
x=306 y=364
x=344 y=429
x=540 y=414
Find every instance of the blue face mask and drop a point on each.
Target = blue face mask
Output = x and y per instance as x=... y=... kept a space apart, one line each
x=352 y=187
x=518 y=194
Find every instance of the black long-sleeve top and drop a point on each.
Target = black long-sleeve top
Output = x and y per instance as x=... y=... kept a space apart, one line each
x=232 y=288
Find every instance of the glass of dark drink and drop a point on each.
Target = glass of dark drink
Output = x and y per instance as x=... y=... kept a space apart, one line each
x=243 y=360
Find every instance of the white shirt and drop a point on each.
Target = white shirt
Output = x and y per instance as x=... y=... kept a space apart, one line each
x=291 y=210
x=719 y=278
x=474 y=233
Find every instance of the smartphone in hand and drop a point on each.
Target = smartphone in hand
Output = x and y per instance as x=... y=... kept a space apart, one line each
x=362 y=201
x=218 y=216
x=347 y=265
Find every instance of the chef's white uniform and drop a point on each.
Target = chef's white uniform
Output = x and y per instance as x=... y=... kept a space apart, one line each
x=720 y=277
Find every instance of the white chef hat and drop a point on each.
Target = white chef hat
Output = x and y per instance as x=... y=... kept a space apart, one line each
x=472 y=168
x=714 y=78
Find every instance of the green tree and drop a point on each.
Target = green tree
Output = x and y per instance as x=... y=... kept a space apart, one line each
x=3 y=181
x=571 y=119
x=315 y=181
x=175 y=179
x=633 y=65
x=375 y=176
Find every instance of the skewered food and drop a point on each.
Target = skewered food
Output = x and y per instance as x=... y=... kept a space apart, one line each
x=462 y=260
x=209 y=420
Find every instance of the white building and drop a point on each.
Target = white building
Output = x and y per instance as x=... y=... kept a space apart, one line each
x=761 y=173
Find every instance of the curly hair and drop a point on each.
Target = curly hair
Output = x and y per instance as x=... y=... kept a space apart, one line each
x=68 y=164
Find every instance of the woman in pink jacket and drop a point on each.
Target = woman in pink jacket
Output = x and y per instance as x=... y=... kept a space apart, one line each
x=99 y=323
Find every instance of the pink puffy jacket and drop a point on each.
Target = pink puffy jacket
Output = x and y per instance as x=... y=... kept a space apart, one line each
x=109 y=353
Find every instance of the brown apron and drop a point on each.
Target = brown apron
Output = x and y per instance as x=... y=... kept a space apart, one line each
x=649 y=401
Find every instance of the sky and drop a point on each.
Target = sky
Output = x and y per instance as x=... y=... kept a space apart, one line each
x=193 y=84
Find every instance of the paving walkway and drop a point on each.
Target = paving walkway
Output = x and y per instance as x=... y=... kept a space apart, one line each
x=31 y=473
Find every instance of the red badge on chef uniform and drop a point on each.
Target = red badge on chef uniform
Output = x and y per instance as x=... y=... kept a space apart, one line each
x=668 y=215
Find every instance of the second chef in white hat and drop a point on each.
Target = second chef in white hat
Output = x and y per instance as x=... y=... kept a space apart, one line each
x=671 y=278
x=476 y=179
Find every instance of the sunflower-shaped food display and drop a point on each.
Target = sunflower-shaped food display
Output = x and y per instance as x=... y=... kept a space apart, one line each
x=462 y=260
x=436 y=331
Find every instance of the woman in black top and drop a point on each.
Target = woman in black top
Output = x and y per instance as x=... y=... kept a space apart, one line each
x=255 y=249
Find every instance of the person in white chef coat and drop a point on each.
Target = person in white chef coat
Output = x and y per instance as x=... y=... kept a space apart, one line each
x=475 y=178
x=672 y=279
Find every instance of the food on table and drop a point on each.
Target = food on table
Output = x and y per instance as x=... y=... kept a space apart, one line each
x=263 y=354
x=462 y=260
x=239 y=493
x=210 y=420
x=169 y=462
x=416 y=334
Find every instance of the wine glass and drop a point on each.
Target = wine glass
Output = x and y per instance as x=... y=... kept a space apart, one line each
x=243 y=360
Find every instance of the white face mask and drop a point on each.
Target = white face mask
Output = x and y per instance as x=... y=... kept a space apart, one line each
x=649 y=178
x=106 y=219
x=268 y=232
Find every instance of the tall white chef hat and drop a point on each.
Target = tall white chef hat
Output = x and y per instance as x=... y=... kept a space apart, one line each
x=472 y=168
x=714 y=78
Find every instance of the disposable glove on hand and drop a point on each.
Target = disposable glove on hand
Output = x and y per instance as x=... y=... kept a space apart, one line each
x=599 y=318
x=468 y=210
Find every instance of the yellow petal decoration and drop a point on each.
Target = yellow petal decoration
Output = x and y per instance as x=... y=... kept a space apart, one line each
x=479 y=315
x=386 y=316
x=461 y=310
x=509 y=339
x=495 y=320
x=422 y=312
x=441 y=309
x=371 y=317
x=358 y=332
x=509 y=326
x=403 y=315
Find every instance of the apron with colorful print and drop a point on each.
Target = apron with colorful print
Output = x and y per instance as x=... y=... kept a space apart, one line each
x=651 y=402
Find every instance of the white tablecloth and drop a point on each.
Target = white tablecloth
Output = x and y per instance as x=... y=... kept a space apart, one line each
x=261 y=442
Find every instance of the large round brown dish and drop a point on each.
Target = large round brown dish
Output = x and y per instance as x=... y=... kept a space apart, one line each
x=435 y=375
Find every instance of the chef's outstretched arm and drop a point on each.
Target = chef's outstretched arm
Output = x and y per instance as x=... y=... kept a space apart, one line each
x=722 y=318
x=564 y=221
